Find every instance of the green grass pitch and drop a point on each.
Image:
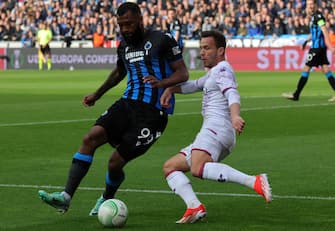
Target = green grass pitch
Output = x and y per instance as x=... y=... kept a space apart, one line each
x=42 y=123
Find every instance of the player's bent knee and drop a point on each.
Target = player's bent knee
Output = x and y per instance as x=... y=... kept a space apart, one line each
x=95 y=138
x=196 y=172
x=90 y=141
x=168 y=167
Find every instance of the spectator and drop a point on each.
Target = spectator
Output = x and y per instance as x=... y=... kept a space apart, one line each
x=242 y=30
x=254 y=29
x=111 y=29
x=197 y=30
x=7 y=36
x=56 y=35
x=68 y=33
x=206 y=26
x=157 y=24
x=17 y=33
x=2 y=33
x=303 y=27
x=226 y=24
x=268 y=30
x=190 y=26
x=278 y=29
x=28 y=40
x=49 y=17
x=98 y=37
x=174 y=27
x=231 y=30
x=289 y=27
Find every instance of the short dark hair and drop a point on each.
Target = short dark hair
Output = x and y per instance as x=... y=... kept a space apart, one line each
x=219 y=38
x=128 y=6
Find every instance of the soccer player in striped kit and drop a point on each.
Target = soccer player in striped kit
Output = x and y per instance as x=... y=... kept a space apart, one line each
x=152 y=61
x=317 y=55
x=216 y=139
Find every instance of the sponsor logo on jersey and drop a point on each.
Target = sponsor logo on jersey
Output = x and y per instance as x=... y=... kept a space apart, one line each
x=134 y=56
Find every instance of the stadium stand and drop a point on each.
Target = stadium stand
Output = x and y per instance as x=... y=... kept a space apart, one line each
x=75 y=21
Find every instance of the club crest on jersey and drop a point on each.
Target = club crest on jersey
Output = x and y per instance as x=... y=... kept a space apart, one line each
x=147 y=47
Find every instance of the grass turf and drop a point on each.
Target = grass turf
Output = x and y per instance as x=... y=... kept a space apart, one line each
x=42 y=122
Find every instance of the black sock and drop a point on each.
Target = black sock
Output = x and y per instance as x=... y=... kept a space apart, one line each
x=331 y=81
x=78 y=170
x=301 y=84
x=113 y=182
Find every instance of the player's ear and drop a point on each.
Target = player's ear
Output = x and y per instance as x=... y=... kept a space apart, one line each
x=221 y=51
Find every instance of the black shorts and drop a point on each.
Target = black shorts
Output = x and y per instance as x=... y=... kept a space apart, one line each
x=132 y=126
x=317 y=57
x=46 y=50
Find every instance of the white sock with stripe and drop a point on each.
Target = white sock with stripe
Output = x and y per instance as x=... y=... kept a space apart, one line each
x=224 y=173
x=181 y=186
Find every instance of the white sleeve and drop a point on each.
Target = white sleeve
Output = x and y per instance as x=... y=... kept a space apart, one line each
x=232 y=95
x=193 y=85
x=225 y=79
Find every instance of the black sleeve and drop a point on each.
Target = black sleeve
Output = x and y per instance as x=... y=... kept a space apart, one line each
x=170 y=48
x=320 y=19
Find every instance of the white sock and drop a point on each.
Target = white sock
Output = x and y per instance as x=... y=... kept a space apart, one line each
x=181 y=186
x=224 y=173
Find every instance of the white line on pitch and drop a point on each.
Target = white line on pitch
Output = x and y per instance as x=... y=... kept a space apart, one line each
x=177 y=114
x=169 y=192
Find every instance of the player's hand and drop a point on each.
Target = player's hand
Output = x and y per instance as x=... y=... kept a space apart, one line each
x=304 y=44
x=165 y=98
x=155 y=83
x=89 y=100
x=238 y=124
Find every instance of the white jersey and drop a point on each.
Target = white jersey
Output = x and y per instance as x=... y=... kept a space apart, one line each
x=215 y=84
x=217 y=135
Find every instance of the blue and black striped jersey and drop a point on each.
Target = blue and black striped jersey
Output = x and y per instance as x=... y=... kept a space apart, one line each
x=173 y=28
x=152 y=56
x=317 y=21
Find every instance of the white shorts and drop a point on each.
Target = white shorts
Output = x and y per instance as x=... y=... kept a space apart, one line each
x=217 y=141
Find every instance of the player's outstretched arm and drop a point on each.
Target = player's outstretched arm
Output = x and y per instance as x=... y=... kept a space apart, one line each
x=237 y=121
x=180 y=74
x=167 y=95
x=113 y=79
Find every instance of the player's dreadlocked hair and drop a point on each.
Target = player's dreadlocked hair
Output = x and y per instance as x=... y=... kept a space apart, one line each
x=219 y=38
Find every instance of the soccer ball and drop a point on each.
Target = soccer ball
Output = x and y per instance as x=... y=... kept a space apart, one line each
x=113 y=213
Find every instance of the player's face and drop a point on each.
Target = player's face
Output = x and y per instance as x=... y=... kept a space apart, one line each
x=310 y=7
x=42 y=26
x=209 y=53
x=171 y=15
x=131 y=27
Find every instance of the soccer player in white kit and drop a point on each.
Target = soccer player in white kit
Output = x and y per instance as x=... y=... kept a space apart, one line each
x=216 y=138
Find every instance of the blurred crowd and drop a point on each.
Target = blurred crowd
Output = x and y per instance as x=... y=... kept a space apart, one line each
x=80 y=19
